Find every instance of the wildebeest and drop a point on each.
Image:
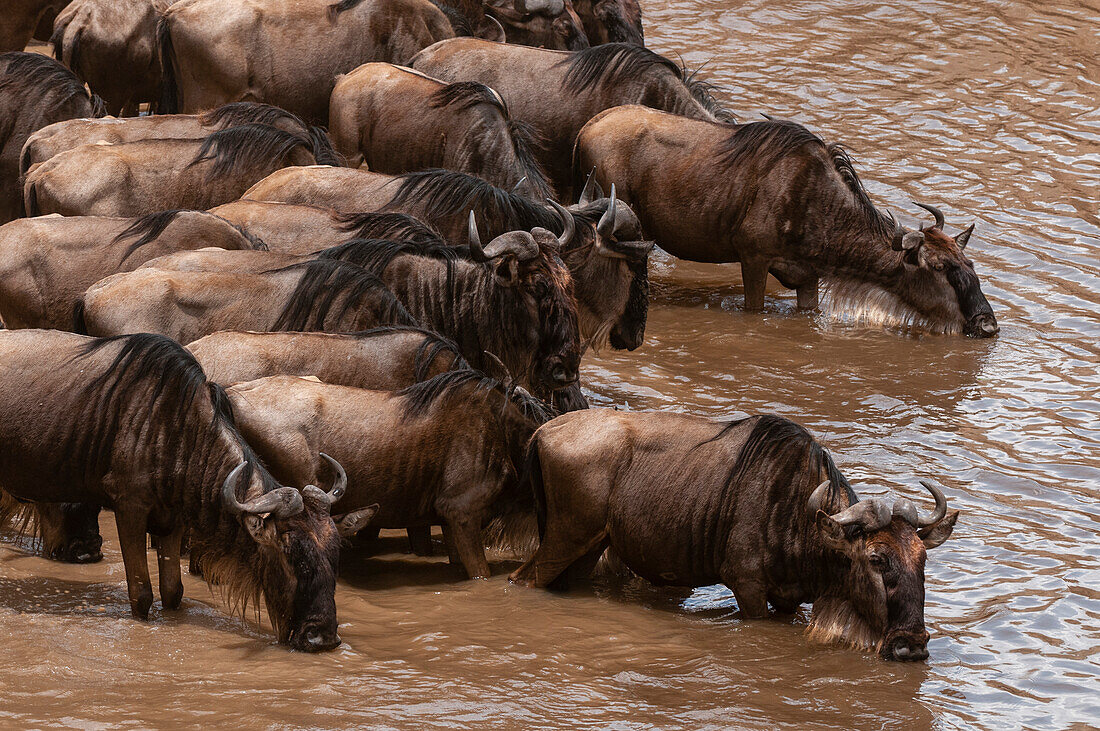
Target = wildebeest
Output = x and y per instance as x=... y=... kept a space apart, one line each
x=442 y=451
x=605 y=254
x=325 y=295
x=556 y=93
x=755 y=504
x=383 y=359
x=24 y=19
x=397 y=120
x=284 y=52
x=66 y=532
x=611 y=21
x=62 y=136
x=138 y=178
x=131 y=423
x=111 y=44
x=775 y=197
x=468 y=18
x=34 y=91
x=541 y=23
x=47 y=263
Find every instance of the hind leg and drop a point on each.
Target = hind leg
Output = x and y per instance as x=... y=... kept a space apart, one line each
x=807 y=296
x=420 y=540
x=565 y=544
x=168 y=569
x=754 y=273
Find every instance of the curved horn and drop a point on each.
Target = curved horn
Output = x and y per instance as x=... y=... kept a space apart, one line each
x=899 y=233
x=637 y=250
x=340 y=484
x=817 y=498
x=500 y=364
x=521 y=182
x=476 y=252
x=870 y=514
x=589 y=191
x=520 y=244
x=606 y=226
x=282 y=502
x=903 y=508
x=936 y=213
x=569 y=227
x=941 y=507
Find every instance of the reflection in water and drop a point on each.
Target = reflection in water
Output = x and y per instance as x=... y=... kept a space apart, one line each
x=986 y=109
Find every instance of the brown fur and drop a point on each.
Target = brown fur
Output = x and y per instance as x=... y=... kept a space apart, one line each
x=26 y=19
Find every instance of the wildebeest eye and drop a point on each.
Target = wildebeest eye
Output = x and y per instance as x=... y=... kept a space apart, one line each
x=878 y=561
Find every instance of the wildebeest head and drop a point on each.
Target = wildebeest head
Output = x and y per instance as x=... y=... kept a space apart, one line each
x=545 y=23
x=297 y=558
x=877 y=599
x=941 y=282
x=68 y=532
x=611 y=273
x=527 y=264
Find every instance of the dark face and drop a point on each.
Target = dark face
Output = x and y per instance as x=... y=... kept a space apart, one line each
x=554 y=25
x=882 y=595
x=943 y=286
x=70 y=532
x=300 y=563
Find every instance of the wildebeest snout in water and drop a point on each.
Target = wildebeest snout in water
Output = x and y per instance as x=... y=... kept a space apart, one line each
x=755 y=504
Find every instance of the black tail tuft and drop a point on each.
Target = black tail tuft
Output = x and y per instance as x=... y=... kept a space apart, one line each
x=80 y=326
x=532 y=475
x=31 y=202
x=169 y=90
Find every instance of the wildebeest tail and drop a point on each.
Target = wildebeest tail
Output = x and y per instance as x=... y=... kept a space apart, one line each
x=169 y=102
x=80 y=324
x=512 y=529
x=527 y=142
x=532 y=476
x=323 y=151
x=30 y=202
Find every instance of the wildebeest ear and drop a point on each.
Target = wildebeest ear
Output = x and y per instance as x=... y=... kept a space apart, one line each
x=507 y=271
x=591 y=191
x=963 y=237
x=351 y=523
x=832 y=532
x=935 y=535
x=262 y=531
x=912 y=240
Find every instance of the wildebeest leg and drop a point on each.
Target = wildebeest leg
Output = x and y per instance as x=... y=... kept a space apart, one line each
x=752 y=598
x=582 y=568
x=420 y=540
x=168 y=568
x=807 y=296
x=559 y=550
x=449 y=542
x=131 y=538
x=754 y=273
x=467 y=540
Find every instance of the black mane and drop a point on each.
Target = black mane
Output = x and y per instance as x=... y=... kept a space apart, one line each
x=376 y=254
x=610 y=63
x=429 y=350
x=239 y=113
x=246 y=145
x=147 y=228
x=388 y=225
x=324 y=282
x=465 y=94
x=38 y=77
x=420 y=397
x=704 y=93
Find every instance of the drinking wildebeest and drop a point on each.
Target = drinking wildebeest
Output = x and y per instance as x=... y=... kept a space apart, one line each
x=397 y=120
x=605 y=254
x=24 y=19
x=540 y=23
x=775 y=197
x=111 y=44
x=611 y=21
x=139 y=178
x=131 y=423
x=468 y=18
x=755 y=504
x=47 y=263
x=383 y=359
x=284 y=52
x=327 y=296
x=57 y=95
x=66 y=532
x=293 y=228
x=556 y=93
x=62 y=136
x=442 y=451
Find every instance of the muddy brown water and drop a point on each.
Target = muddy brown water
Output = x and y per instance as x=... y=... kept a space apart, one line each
x=988 y=109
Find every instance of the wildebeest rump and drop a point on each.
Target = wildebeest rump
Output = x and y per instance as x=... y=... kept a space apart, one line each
x=442 y=451
x=775 y=197
x=24 y=19
x=383 y=359
x=56 y=95
x=284 y=52
x=131 y=423
x=327 y=296
x=609 y=269
x=61 y=136
x=139 y=178
x=397 y=120
x=755 y=504
x=47 y=263
x=111 y=44
x=556 y=92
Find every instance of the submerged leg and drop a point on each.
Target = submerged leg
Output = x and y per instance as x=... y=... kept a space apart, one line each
x=467 y=539
x=420 y=540
x=559 y=551
x=449 y=542
x=807 y=296
x=168 y=568
x=754 y=274
x=131 y=537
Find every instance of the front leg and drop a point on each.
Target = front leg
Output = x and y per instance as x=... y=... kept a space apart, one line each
x=807 y=296
x=132 y=531
x=466 y=535
x=168 y=569
x=754 y=273
x=420 y=540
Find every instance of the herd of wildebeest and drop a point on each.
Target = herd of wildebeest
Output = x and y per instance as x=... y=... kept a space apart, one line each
x=365 y=244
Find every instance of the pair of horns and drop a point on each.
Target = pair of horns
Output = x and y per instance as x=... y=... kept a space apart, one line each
x=904 y=241
x=875 y=513
x=282 y=502
x=517 y=243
